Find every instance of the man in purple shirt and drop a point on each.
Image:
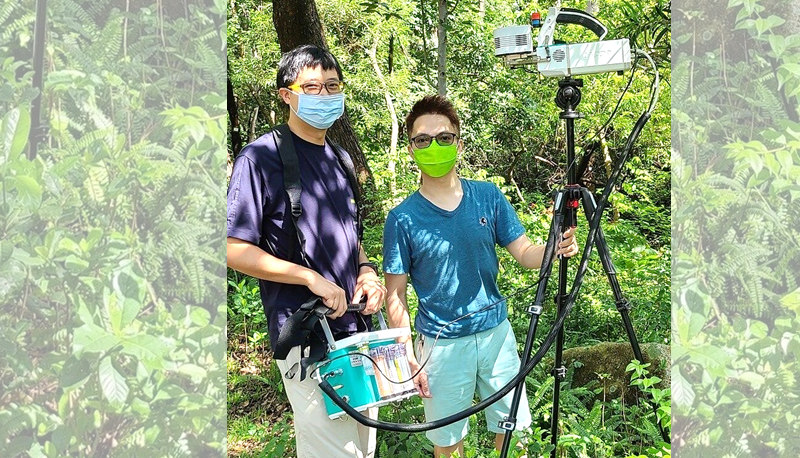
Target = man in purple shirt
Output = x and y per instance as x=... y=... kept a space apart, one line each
x=333 y=264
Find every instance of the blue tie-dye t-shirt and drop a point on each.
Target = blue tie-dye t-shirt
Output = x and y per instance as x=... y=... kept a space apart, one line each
x=450 y=257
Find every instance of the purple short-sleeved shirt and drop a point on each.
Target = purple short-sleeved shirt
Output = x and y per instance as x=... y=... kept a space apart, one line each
x=258 y=213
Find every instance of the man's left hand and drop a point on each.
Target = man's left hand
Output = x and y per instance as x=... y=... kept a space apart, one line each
x=368 y=284
x=568 y=247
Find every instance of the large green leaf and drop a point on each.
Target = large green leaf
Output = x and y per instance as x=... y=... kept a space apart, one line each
x=75 y=372
x=682 y=391
x=129 y=285
x=6 y=250
x=112 y=383
x=791 y=301
x=93 y=338
x=145 y=347
x=29 y=190
x=75 y=264
x=14 y=129
x=130 y=310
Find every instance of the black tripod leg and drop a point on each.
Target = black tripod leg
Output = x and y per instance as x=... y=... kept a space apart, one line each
x=510 y=422
x=559 y=371
x=623 y=306
x=622 y=303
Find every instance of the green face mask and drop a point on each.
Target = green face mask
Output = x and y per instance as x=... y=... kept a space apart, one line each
x=436 y=160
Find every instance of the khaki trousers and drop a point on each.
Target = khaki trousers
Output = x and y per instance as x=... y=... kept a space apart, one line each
x=317 y=435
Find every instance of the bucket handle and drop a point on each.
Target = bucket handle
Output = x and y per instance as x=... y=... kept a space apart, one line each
x=323 y=312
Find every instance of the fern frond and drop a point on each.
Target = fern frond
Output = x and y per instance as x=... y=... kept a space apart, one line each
x=193 y=273
x=23 y=23
x=107 y=46
x=5 y=13
x=680 y=79
x=543 y=388
x=96 y=183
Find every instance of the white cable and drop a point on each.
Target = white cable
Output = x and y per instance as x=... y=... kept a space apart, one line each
x=654 y=98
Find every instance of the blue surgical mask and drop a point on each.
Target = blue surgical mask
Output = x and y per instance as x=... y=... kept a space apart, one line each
x=319 y=111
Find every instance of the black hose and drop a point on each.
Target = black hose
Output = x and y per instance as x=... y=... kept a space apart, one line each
x=326 y=387
x=594 y=226
x=548 y=342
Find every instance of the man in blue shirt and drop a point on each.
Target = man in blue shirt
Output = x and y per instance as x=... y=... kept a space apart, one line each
x=334 y=267
x=443 y=237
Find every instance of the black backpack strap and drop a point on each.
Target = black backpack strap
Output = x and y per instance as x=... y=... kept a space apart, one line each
x=299 y=329
x=291 y=182
x=350 y=171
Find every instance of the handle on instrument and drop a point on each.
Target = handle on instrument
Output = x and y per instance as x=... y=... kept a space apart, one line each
x=350 y=308
x=356 y=307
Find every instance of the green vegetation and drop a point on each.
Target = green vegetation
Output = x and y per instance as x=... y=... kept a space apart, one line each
x=735 y=184
x=513 y=137
x=111 y=319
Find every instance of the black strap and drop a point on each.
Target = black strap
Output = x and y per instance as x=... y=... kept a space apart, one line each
x=291 y=182
x=298 y=329
x=233 y=113
x=350 y=171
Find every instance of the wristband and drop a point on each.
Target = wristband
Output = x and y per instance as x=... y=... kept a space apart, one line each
x=371 y=265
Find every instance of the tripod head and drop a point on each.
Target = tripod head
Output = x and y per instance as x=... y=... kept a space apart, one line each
x=569 y=96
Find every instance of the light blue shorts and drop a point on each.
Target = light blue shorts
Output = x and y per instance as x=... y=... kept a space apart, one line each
x=460 y=367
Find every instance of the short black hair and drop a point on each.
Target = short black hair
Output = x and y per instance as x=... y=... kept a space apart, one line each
x=295 y=61
x=432 y=104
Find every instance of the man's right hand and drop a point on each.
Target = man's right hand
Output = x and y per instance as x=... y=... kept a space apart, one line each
x=332 y=295
x=420 y=380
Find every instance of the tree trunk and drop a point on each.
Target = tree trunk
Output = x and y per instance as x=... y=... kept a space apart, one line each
x=253 y=123
x=233 y=114
x=608 y=163
x=296 y=23
x=390 y=65
x=393 y=159
x=442 y=36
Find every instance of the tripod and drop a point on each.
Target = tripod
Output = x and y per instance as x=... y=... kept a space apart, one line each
x=566 y=202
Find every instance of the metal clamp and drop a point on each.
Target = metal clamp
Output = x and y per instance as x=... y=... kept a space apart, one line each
x=535 y=310
x=297 y=209
x=333 y=373
x=560 y=372
x=40 y=133
x=624 y=304
x=326 y=328
x=507 y=424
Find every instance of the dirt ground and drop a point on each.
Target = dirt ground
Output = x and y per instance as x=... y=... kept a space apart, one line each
x=261 y=398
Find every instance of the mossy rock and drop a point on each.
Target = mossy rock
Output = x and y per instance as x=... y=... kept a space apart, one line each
x=610 y=359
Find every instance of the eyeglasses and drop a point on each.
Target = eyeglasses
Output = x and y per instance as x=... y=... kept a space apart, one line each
x=423 y=141
x=315 y=87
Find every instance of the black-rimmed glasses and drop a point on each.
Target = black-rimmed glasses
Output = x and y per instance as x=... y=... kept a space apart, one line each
x=423 y=141
x=315 y=87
